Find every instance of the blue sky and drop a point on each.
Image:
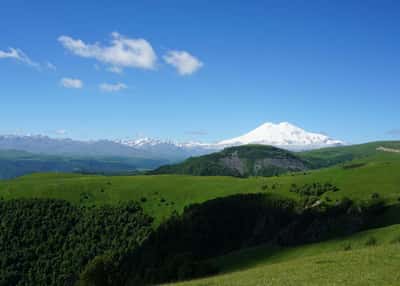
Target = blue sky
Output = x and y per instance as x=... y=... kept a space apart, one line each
x=199 y=70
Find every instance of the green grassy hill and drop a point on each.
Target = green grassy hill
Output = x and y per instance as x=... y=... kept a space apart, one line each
x=367 y=258
x=261 y=160
x=162 y=194
x=241 y=161
x=372 y=172
x=335 y=155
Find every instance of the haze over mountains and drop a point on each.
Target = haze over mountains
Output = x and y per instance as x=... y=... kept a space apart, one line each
x=283 y=135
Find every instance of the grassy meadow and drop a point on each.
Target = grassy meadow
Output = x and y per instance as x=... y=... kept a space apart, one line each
x=160 y=195
x=367 y=258
x=370 y=257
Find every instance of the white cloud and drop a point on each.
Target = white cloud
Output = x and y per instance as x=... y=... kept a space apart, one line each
x=121 y=53
x=18 y=55
x=71 y=82
x=115 y=70
x=106 y=87
x=184 y=62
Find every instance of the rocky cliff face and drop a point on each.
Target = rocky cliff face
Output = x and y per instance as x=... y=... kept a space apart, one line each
x=262 y=166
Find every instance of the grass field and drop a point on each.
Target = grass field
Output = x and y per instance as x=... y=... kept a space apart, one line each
x=368 y=266
x=367 y=258
x=162 y=194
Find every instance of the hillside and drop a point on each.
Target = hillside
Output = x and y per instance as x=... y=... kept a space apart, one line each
x=324 y=194
x=367 y=258
x=163 y=194
x=241 y=161
x=335 y=155
x=261 y=160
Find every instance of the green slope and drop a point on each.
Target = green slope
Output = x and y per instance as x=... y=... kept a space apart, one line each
x=241 y=161
x=261 y=160
x=329 y=263
x=369 y=266
x=366 y=258
x=162 y=194
x=335 y=155
x=263 y=255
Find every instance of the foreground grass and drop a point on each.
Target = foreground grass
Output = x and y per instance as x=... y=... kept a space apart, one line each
x=261 y=255
x=367 y=258
x=370 y=266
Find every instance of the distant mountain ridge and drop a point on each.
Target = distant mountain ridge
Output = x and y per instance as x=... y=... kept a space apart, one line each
x=15 y=163
x=39 y=144
x=168 y=149
x=283 y=135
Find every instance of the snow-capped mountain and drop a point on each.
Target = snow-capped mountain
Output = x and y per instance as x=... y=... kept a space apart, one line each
x=41 y=144
x=284 y=135
x=147 y=142
x=142 y=142
x=172 y=150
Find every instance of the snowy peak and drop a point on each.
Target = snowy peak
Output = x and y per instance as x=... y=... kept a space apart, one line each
x=141 y=142
x=283 y=135
x=147 y=142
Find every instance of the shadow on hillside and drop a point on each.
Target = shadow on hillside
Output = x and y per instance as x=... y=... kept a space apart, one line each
x=389 y=217
x=251 y=257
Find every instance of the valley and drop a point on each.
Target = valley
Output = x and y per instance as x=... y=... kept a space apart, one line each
x=358 y=179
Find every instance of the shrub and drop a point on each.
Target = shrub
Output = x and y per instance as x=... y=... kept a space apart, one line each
x=347 y=247
x=371 y=241
x=375 y=196
x=307 y=202
x=96 y=272
x=395 y=240
x=314 y=189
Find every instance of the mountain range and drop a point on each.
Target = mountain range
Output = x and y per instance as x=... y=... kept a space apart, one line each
x=283 y=135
